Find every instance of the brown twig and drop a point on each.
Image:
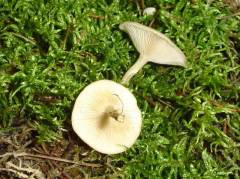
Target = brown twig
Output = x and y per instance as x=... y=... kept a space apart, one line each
x=24 y=38
x=151 y=23
x=50 y=162
x=35 y=172
x=150 y=101
x=45 y=148
x=19 y=174
x=26 y=144
x=229 y=16
x=65 y=175
x=138 y=7
x=31 y=156
x=153 y=103
x=235 y=110
x=86 y=54
x=8 y=142
x=165 y=103
x=142 y=5
x=217 y=104
x=63 y=45
x=225 y=126
x=96 y=16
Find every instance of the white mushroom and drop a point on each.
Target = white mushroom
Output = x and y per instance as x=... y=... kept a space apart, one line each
x=149 y=11
x=106 y=117
x=153 y=46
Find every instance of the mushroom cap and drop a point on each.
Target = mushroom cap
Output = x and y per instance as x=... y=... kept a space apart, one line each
x=149 y=11
x=95 y=127
x=152 y=45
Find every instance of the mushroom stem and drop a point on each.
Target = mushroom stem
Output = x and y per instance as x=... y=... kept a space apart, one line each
x=134 y=69
x=115 y=113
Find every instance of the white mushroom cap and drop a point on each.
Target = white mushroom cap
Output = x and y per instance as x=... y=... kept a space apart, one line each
x=149 y=11
x=153 y=46
x=106 y=117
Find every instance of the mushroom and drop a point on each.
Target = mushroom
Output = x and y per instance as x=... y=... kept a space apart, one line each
x=149 y=11
x=106 y=117
x=153 y=46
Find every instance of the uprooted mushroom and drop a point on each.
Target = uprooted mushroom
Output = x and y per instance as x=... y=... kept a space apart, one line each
x=153 y=46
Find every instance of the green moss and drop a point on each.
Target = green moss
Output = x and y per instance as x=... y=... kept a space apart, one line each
x=50 y=50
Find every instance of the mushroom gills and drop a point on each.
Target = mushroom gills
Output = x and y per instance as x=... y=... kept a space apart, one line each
x=115 y=113
x=106 y=117
x=153 y=46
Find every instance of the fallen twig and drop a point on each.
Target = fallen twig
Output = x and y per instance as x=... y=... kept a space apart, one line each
x=23 y=154
x=138 y=7
x=150 y=101
x=225 y=126
x=151 y=23
x=24 y=38
x=19 y=174
x=63 y=45
x=142 y=5
x=153 y=103
x=165 y=103
x=220 y=105
x=35 y=172
x=8 y=142
x=229 y=16
x=96 y=16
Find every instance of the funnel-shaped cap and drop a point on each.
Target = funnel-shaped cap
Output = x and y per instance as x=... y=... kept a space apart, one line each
x=153 y=45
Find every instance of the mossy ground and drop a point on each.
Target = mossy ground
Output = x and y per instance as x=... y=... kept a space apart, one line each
x=50 y=50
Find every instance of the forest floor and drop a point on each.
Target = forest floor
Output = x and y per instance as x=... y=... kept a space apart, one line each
x=51 y=50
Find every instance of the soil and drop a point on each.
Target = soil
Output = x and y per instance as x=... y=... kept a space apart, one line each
x=21 y=156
